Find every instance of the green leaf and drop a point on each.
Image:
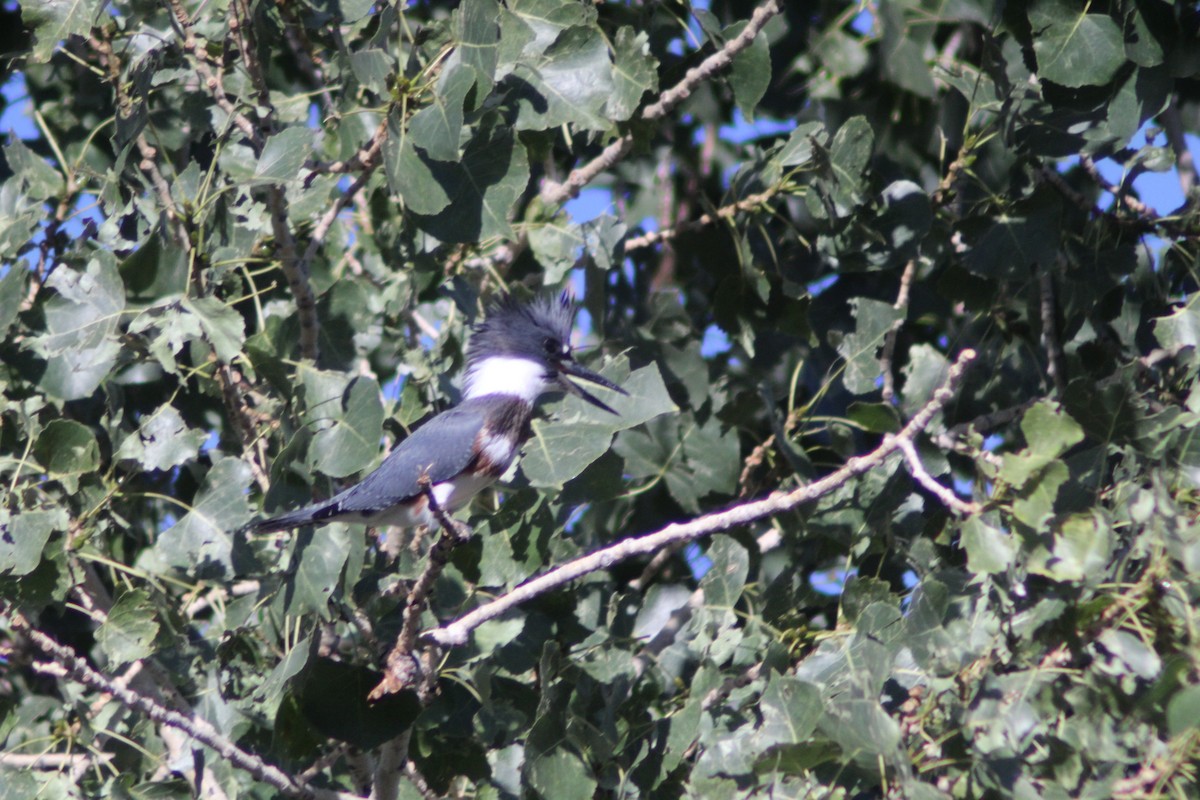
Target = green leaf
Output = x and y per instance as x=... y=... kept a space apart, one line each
x=1035 y=505
x=67 y=450
x=52 y=21
x=750 y=72
x=849 y=155
x=569 y=85
x=128 y=634
x=283 y=155
x=12 y=294
x=1049 y=432
x=560 y=775
x=480 y=190
x=223 y=327
x=904 y=221
x=790 y=710
x=347 y=414
x=372 y=67
x=580 y=433
x=556 y=244
x=40 y=180
x=1183 y=712
x=634 y=73
x=202 y=541
x=724 y=582
x=479 y=41
x=862 y=729
x=1074 y=48
x=1180 y=328
x=80 y=343
x=1082 y=549
x=163 y=441
x=332 y=696
x=1016 y=242
x=320 y=554
x=989 y=550
x=874 y=417
x=436 y=129
x=604 y=240
x=411 y=175
x=542 y=21
x=271 y=693
x=903 y=52
x=801 y=144
x=860 y=349
x=23 y=538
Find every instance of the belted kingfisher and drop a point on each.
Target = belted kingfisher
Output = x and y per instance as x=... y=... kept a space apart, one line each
x=519 y=352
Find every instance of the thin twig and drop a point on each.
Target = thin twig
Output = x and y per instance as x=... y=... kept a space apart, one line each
x=922 y=476
x=406 y=668
x=66 y=662
x=558 y=193
x=456 y=632
x=211 y=77
x=1055 y=365
x=54 y=761
x=749 y=203
x=1119 y=194
x=893 y=332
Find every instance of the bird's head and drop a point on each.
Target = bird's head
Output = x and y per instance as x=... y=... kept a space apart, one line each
x=524 y=349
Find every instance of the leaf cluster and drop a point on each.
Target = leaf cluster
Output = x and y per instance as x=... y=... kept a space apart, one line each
x=242 y=254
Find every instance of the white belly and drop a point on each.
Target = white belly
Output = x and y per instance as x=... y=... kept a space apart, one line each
x=450 y=495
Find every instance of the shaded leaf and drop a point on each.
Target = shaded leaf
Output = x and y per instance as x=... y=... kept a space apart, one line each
x=860 y=349
x=202 y=541
x=283 y=155
x=129 y=630
x=633 y=72
x=437 y=128
x=23 y=538
x=750 y=73
x=579 y=433
x=1075 y=48
x=163 y=441
x=347 y=415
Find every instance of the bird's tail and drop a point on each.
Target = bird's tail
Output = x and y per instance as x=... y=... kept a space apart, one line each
x=290 y=520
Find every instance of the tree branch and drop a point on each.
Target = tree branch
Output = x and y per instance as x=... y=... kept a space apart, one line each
x=922 y=476
x=724 y=212
x=1055 y=365
x=405 y=668
x=559 y=193
x=210 y=76
x=889 y=341
x=66 y=662
x=456 y=632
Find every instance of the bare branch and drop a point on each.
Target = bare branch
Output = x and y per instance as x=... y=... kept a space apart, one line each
x=559 y=193
x=728 y=212
x=889 y=342
x=66 y=662
x=1055 y=364
x=456 y=633
x=405 y=667
x=53 y=761
x=922 y=476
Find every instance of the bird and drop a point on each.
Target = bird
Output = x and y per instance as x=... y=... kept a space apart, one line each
x=520 y=351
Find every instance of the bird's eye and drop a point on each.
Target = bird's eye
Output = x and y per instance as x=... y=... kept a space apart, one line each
x=551 y=347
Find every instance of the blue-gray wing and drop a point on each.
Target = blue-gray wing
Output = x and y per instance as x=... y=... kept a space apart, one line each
x=441 y=449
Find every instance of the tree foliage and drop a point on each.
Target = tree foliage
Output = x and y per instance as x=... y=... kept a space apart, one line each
x=244 y=248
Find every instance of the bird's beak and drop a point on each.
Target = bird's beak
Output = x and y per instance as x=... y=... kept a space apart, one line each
x=574 y=370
